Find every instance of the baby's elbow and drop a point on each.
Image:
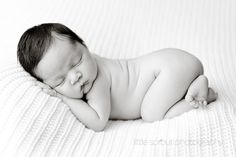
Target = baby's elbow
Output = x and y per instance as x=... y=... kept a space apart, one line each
x=98 y=129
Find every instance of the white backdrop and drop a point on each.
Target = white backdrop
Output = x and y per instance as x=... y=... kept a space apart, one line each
x=123 y=29
x=203 y=26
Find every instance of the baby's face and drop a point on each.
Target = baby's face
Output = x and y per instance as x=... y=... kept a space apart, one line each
x=68 y=68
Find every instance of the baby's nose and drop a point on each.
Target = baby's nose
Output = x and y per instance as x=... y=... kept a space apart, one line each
x=75 y=77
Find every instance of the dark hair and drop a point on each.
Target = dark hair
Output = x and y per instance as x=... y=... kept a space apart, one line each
x=36 y=40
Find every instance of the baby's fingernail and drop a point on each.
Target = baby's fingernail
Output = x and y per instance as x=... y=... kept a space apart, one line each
x=204 y=103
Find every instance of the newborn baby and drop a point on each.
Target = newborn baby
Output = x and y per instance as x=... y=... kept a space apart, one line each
x=159 y=85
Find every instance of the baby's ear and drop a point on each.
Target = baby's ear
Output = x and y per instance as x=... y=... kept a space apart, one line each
x=46 y=88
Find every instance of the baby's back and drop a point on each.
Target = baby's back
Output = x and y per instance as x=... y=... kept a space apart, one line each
x=128 y=87
x=130 y=79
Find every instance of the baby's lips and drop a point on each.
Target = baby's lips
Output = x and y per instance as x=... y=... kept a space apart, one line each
x=41 y=85
x=80 y=82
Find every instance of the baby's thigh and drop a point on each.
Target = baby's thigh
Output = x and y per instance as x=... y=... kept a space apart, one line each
x=168 y=88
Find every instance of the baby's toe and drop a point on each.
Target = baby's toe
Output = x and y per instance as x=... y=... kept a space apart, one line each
x=189 y=98
x=202 y=103
x=194 y=103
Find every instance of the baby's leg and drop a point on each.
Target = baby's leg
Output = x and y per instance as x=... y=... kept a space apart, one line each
x=184 y=105
x=198 y=92
x=166 y=90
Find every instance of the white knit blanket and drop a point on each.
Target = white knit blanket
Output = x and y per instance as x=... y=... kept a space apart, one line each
x=34 y=124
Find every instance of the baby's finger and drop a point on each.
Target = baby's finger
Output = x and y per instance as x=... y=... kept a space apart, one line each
x=61 y=96
x=50 y=92
x=42 y=85
x=53 y=93
x=46 y=91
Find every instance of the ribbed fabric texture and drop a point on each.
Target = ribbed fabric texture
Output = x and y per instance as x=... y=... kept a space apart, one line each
x=35 y=124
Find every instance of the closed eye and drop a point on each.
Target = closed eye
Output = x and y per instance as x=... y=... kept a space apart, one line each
x=78 y=63
x=61 y=83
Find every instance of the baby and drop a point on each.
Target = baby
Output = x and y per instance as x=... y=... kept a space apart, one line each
x=159 y=85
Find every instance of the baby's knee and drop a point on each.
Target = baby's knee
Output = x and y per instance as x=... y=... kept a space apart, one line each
x=187 y=61
x=197 y=66
x=194 y=64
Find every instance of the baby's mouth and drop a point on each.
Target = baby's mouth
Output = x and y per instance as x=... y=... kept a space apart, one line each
x=81 y=83
x=83 y=86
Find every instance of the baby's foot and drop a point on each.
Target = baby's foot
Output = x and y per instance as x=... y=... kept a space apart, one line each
x=212 y=95
x=198 y=90
x=199 y=94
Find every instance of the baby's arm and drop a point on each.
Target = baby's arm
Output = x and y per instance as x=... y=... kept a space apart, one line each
x=88 y=115
x=96 y=112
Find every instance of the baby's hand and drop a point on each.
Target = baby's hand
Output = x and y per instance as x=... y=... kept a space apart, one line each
x=47 y=89
x=64 y=98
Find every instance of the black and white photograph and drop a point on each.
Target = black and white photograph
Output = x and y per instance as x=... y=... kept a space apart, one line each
x=118 y=78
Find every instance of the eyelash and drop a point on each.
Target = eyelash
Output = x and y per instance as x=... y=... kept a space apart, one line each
x=63 y=81
x=80 y=60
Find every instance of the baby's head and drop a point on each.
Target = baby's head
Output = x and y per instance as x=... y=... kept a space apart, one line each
x=55 y=55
